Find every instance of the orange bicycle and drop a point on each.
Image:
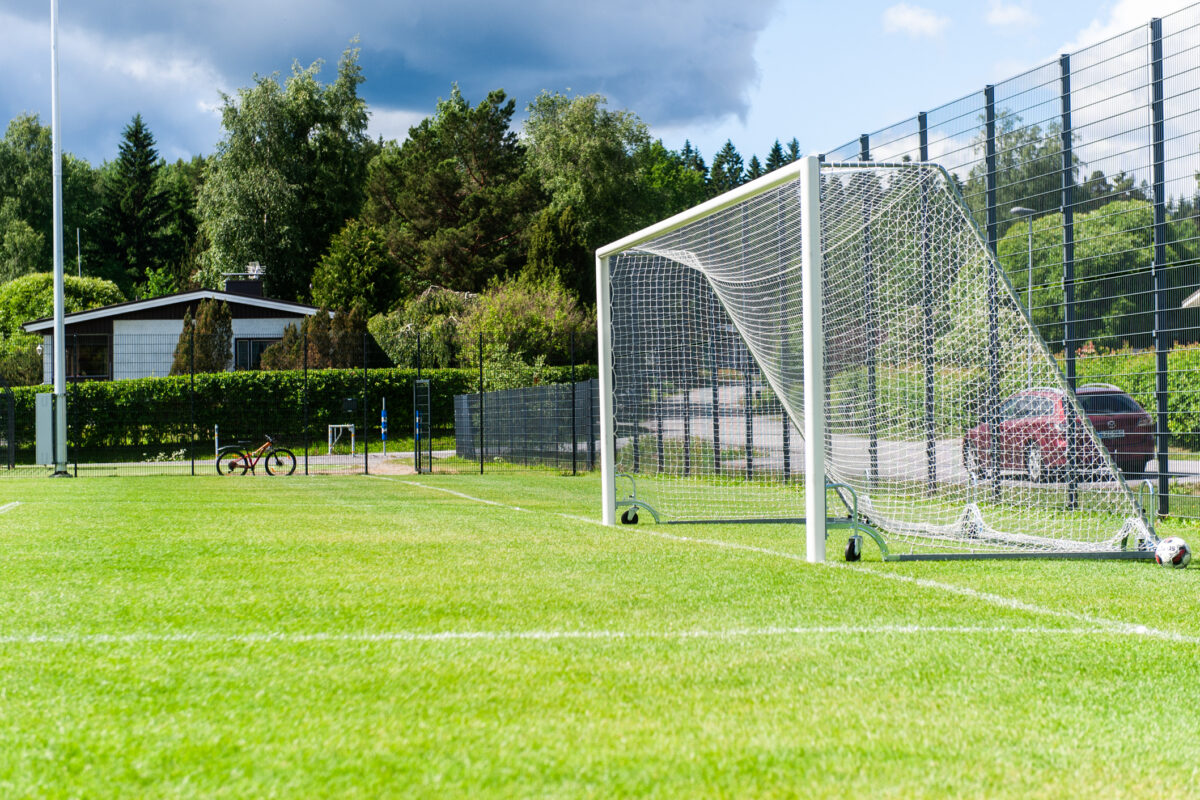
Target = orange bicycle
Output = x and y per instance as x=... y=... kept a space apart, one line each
x=233 y=460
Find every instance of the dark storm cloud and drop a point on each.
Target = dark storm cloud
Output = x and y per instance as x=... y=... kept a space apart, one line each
x=671 y=62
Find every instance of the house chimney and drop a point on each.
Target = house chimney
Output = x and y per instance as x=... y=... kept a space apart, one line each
x=248 y=283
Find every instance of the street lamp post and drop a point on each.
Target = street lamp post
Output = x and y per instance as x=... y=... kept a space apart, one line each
x=1027 y=213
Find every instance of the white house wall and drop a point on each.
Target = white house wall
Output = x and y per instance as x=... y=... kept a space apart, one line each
x=262 y=327
x=144 y=348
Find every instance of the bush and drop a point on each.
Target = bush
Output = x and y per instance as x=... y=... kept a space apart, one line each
x=150 y=411
x=531 y=317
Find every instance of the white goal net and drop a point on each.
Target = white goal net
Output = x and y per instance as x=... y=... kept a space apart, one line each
x=943 y=409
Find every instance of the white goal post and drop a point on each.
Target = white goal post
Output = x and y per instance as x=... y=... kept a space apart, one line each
x=855 y=307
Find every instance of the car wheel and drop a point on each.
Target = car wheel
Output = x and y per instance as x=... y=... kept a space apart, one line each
x=1035 y=468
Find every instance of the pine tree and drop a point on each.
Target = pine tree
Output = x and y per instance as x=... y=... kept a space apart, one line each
x=133 y=208
x=776 y=158
x=754 y=169
x=211 y=336
x=793 y=150
x=727 y=169
x=692 y=159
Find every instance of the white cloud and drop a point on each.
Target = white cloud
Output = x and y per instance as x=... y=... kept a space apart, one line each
x=393 y=123
x=1122 y=17
x=1010 y=15
x=913 y=20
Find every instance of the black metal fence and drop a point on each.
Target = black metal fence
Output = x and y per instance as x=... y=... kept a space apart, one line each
x=165 y=409
x=170 y=404
x=1083 y=175
x=556 y=426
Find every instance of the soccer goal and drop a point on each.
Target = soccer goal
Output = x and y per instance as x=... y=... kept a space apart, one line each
x=854 y=307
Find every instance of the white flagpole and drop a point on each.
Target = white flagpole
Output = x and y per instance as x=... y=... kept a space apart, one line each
x=60 y=345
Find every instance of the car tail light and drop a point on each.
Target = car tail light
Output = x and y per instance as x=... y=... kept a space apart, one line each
x=1145 y=422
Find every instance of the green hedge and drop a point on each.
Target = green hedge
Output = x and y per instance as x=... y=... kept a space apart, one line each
x=149 y=411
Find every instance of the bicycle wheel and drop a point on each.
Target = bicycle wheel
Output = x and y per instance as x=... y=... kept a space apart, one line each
x=231 y=462
x=280 y=462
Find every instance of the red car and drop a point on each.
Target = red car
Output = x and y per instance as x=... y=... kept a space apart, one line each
x=1031 y=436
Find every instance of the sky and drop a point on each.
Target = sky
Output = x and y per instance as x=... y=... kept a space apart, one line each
x=705 y=71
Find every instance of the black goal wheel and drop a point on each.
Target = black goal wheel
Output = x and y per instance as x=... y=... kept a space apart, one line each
x=629 y=517
x=854 y=548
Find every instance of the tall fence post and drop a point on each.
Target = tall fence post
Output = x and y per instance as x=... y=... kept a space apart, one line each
x=366 y=413
x=481 y=439
x=192 y=396
x=927 y=332
x=1068 y=223
x=1158 y=270
x=574 y=404
x=993 y=287
x=307 y=423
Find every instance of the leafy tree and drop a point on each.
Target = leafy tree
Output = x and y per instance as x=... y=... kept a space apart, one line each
x=435 y=314
x=590 y=158
x=727 y=171
x=454 y=201
x=31 y=297
x=355 y=271
x=26 y=182
x=775 y=157
x=20 y=245
x=1113 y=289
x=287 y=175
x=133 y=209
x=211 y=334
x=668 y=184
x=180 y=237
x=1028 y=166
x=558 y=249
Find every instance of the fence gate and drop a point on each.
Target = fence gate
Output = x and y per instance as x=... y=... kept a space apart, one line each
x=422 y=428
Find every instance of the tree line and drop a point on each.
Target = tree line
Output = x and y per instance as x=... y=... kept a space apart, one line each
x=472 y=202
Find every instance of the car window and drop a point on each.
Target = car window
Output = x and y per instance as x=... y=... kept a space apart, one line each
x=1040 y=407
x=1013 y=408
x=1109 y=404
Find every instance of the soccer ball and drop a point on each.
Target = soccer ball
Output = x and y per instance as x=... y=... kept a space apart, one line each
x=1173 y=552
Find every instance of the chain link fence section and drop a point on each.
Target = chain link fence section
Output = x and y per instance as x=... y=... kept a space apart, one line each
x=1082 y=175
x=553 y=426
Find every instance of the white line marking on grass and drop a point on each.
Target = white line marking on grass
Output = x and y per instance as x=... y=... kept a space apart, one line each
x=1111 y=625
x=4 y=509
x=547 y=636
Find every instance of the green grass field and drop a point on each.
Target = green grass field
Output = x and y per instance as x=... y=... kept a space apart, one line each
x=398 y=637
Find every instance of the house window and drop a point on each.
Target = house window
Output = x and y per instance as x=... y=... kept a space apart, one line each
x=89 y=357
x=248 y=352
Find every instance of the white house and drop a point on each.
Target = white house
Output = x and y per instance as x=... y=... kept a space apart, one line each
x=137 y=339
